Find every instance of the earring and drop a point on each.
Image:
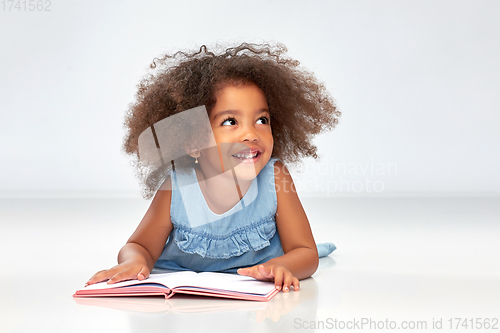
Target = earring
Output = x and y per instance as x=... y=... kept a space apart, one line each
x=196 y=157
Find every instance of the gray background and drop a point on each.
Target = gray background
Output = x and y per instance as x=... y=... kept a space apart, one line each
x=417 y=82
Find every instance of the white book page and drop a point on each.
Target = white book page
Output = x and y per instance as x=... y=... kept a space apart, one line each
x=231 y=282
x=170 y=280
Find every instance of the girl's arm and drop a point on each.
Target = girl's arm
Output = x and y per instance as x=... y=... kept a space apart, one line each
x=137 y=258
x=301 y=255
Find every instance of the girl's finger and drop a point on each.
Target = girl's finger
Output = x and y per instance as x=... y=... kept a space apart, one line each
x=99 y=277
x=295 y=284
x=143 y=274
x=266 y=273
x=287 y=281
x=122 y=276
x=104 y=270
x=248 y=271
x=278 y=277
x=93 y=277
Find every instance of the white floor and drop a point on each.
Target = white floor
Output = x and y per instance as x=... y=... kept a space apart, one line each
x=400 y=262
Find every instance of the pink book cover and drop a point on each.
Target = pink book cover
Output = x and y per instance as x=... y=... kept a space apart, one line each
x=167 y=284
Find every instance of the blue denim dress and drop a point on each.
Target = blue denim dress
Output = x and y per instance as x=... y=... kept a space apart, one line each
x=202 y=240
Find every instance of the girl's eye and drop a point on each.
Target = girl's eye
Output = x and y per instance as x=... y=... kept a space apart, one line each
x=228 y=121
x=263 y=120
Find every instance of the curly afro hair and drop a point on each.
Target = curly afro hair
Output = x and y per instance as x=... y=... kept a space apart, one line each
x=299 y=105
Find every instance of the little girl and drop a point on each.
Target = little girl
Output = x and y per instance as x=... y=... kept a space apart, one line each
x=227 y=204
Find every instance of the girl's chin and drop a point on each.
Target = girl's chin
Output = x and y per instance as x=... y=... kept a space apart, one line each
x=247 y=171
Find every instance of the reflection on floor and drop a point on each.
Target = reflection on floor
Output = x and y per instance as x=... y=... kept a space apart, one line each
x=400 y=262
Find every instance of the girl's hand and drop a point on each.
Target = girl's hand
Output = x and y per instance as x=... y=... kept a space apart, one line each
x=283 y=279
x=122 y=272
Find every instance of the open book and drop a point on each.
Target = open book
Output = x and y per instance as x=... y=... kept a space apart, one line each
x=188 y=282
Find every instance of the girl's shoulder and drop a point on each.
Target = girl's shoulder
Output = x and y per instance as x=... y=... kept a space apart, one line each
x=167 y=184
x=280 y=169
x=163 y=196
x=278 y=165
x=282 y=178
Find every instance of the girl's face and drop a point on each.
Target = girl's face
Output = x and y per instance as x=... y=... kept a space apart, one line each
x=241 y=126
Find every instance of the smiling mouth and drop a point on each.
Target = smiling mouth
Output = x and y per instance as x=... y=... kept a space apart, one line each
x=247 y=155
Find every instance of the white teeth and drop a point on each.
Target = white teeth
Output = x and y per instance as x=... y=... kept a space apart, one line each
x=246 y=156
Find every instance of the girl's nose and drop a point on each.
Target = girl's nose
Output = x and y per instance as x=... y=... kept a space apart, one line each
x=249 y=134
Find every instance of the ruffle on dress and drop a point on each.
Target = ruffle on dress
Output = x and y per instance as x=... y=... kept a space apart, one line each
x=252 y=237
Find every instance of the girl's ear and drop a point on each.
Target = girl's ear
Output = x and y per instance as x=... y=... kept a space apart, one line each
x=194 y=153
